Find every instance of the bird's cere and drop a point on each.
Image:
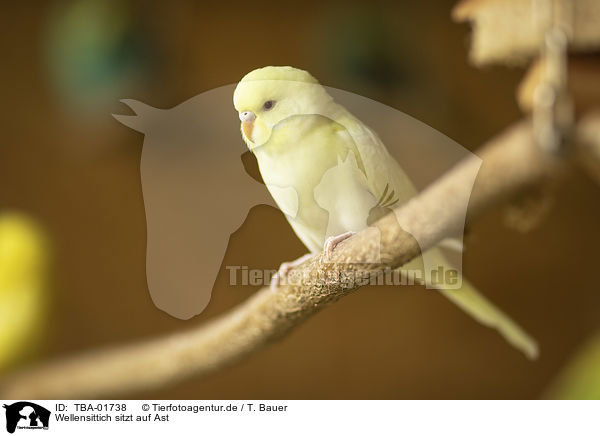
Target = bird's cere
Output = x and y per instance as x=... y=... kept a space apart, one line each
x=247 y=116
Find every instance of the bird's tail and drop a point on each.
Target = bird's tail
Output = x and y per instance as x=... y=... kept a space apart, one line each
x=481 y=309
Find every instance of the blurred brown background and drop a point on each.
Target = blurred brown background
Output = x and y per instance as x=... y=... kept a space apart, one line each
x=66 y=162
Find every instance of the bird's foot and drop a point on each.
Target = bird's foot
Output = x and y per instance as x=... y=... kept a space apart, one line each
x=285 y=267
x=332 y=242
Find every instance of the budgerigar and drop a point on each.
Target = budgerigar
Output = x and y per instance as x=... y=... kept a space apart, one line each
x=328 y=172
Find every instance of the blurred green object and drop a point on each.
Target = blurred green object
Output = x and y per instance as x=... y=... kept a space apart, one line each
x=96 y=52
x=357 y=43
x=23 y=285
x=580 y=380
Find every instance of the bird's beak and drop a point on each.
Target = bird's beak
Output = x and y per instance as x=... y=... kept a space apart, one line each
x=247 y=127
x=247 y=118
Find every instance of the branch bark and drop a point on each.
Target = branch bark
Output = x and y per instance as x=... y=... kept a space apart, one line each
x=512 y=162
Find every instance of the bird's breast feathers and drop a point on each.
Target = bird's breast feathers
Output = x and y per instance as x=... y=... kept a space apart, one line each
x=315 y=157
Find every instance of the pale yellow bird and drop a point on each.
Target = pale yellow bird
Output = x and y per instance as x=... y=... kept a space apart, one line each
x=329 y=172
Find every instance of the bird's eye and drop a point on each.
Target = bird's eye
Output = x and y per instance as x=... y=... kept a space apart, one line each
x=269 y=105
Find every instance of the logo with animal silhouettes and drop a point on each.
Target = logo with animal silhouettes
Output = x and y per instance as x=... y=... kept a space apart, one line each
x=26 y=415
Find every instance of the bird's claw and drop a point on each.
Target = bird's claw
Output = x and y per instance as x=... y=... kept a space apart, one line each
x=284 y=268
x=332 y=242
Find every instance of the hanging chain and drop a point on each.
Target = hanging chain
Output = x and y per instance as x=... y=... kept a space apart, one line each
x=553 y=112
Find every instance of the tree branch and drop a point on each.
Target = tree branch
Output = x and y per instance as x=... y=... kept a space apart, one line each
x=512 y=162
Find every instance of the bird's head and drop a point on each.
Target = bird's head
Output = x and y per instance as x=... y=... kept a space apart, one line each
x=269 y=95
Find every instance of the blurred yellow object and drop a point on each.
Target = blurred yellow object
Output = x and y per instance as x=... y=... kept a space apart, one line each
x=580 y=380
x=23 y=276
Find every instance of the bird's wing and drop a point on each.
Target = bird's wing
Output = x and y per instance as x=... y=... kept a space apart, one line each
x=384 y=174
